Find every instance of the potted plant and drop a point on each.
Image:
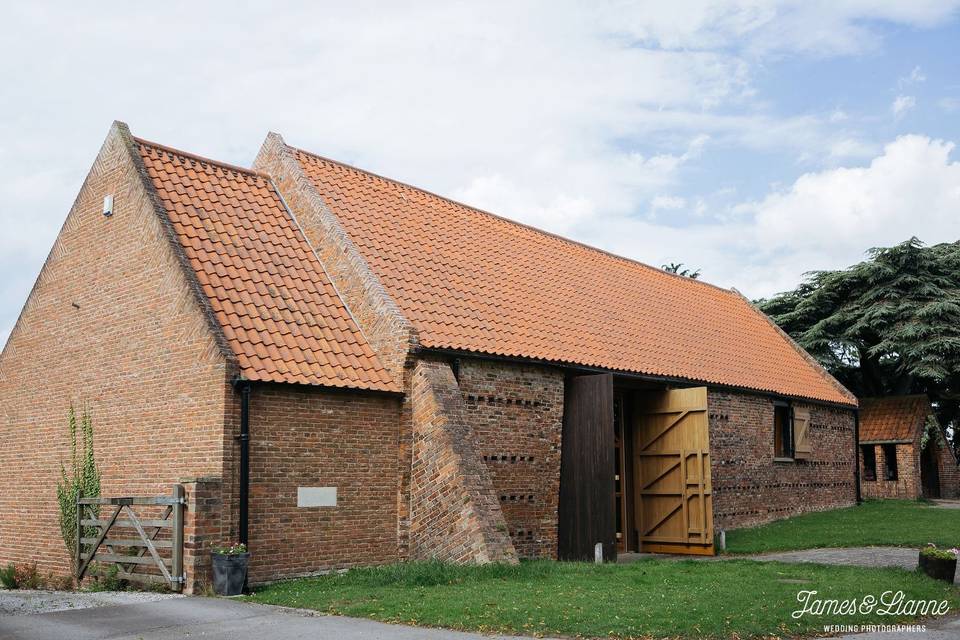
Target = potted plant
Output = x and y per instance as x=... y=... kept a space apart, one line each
x=939 y=563
x=230 y=569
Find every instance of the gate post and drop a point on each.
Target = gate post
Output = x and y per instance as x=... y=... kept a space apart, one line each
x=76 y=551
x=177 y=539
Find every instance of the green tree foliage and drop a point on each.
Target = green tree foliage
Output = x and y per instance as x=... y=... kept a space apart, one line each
x=889 y=325
x=680 y=270
x=81 y=480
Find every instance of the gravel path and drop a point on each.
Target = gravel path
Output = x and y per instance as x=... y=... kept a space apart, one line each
x=947 y=503
x=28 y=601
x=901 y=557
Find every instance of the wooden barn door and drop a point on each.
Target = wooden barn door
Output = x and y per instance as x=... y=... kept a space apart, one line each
x=930 y=471
x=672 y=472
x=586 y=513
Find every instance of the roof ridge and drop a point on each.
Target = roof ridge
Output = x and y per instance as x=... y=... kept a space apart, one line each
x=912 y=396
x=202 y=159
x=517 y=223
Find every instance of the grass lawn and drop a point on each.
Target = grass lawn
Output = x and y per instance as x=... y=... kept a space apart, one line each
x=658 y=598
x=899 y=523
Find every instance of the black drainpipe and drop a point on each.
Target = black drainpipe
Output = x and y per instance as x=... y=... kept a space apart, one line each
x=856 y=451
x=243 y=386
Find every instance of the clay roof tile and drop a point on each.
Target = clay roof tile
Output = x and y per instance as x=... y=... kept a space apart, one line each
x=229 y=209
x=471 y=281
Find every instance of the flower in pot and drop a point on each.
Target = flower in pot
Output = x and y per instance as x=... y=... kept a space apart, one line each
x=230 y=569
x=939 y=563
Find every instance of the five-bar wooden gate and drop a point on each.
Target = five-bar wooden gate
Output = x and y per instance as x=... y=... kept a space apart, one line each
x=144 y=549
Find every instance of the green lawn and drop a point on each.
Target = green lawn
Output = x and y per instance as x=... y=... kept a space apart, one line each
x=899 y=523
x=657 y=598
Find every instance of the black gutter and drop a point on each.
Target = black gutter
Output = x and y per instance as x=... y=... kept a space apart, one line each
x=243 y=387
x=856 y=452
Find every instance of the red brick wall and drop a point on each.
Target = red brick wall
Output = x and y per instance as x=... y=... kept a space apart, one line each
x=203 y=518
x=749 y=488
x=905 y=487
x=455 y=513
x=949 y=473
x=302 y=437
x=112 y=322
x=516 y=414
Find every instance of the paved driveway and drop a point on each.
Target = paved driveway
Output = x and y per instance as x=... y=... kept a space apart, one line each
x=217 y=619
x=207 y=618
x=943 y=629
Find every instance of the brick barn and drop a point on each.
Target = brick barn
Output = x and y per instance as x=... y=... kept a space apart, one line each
x=345 y=370
x=903 y=450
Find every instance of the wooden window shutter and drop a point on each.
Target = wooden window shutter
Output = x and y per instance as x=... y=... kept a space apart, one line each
x=801 y=434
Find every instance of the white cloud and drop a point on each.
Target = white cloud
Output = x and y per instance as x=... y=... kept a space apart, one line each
x=823 y=220
x=570 y=116
x=827 y=219
x=838 y=115
x=916 y=76
x=760 y=27
x=902 y=104
x=665 y=202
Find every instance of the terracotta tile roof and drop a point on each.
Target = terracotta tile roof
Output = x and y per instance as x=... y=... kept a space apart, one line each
x=280 y=313
x=472 y=281
x=892 y=418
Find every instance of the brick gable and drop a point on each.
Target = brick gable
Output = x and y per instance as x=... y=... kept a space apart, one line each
x=112 y=323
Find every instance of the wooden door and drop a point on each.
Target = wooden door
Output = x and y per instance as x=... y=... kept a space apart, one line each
x=930 y=471
x=672 y=472
x=586 y=513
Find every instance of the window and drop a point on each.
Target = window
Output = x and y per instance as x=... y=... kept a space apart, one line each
x=782 y=431
x=890 y=461
x=869 y=462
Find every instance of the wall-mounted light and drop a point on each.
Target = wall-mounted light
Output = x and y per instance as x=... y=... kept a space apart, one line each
x=108 y=205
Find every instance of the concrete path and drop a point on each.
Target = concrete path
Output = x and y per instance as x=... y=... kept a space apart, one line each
x=209 y=618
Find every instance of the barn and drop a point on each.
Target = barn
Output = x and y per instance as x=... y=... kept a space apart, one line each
x=903 y=450
x=341 y=369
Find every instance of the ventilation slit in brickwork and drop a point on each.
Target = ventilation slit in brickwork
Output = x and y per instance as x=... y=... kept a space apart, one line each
x=507 y=457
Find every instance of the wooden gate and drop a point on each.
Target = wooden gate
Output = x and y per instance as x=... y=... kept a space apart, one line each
x=144 y=549
x=586 y=514
x=672 y=472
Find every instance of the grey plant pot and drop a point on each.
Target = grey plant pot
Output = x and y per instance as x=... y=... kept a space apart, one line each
x=230 y=573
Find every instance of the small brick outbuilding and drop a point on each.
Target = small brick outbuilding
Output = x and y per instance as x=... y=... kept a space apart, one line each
x=904 y=452
x=418 y=378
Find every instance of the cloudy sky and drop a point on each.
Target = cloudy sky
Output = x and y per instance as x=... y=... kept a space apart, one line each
x=753 y=140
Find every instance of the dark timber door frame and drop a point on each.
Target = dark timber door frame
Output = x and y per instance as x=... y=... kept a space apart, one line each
x=587 y=504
